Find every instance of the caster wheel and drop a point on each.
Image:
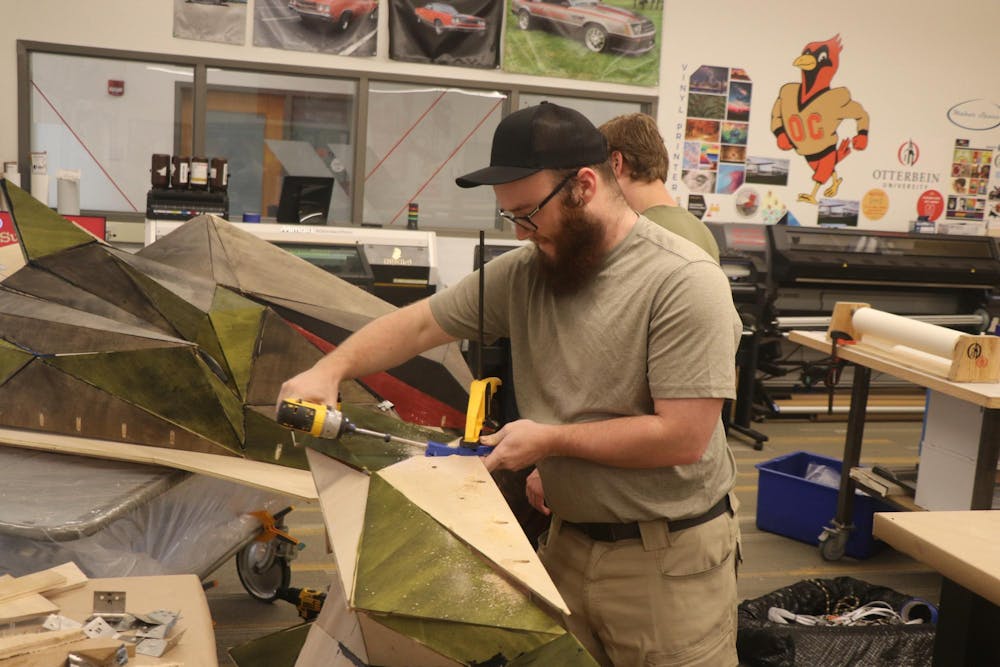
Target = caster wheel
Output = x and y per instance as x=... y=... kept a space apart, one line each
x=261 y=571
x=833 y=545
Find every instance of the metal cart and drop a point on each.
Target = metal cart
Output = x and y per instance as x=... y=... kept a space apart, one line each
x=115 y=518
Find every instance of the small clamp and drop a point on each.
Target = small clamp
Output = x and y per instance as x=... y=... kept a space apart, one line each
x=270 y=530
x=836 y=365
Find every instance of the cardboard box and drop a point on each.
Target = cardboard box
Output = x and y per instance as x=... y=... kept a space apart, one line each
x=791 y=505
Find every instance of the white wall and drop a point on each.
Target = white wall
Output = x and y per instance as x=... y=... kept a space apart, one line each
x=906 y=62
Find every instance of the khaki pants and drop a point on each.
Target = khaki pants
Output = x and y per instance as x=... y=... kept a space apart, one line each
x=667 y=599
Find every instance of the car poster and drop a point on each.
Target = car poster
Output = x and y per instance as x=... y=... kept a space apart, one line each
x=340 y=27
x=211 y=20
x=457 y=32
x=601 y=40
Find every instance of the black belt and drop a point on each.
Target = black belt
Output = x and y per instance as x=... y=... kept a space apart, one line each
x=612 y=532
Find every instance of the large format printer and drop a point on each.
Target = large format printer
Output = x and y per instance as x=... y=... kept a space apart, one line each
x=788 y=277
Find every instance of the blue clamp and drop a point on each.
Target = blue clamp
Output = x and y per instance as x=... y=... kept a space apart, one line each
x=441 y=449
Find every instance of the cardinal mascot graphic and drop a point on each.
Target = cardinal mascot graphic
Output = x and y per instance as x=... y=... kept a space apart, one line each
x=806 y=116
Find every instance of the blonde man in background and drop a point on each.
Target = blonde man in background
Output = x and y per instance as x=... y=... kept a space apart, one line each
x=640 y=162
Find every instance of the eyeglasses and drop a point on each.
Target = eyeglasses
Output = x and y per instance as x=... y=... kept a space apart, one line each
x=524 y=221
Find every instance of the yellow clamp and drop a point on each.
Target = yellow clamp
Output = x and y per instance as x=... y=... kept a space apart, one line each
x=481 y=395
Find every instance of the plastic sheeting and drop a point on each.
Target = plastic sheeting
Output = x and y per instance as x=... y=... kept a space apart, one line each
x=117 y=519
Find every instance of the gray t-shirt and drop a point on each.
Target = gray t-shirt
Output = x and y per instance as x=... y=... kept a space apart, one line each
x=657 y=321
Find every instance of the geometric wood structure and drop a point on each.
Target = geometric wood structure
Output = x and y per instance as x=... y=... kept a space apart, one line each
x=107 y=345
x=433 y=570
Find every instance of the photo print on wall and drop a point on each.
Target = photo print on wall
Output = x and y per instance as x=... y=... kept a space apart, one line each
x=457 y=32
x=600 y=40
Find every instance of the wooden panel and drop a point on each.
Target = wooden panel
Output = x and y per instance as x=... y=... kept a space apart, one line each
x=291 y=482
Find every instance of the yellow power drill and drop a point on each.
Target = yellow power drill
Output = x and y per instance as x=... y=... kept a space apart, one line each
x=325 y=421
x=308 y=601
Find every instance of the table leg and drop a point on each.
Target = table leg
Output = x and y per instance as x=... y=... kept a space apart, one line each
x=986 y=461
x=834 y=537
x=966 y=630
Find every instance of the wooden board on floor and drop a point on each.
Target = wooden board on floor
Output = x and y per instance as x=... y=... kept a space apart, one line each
x=288 y=481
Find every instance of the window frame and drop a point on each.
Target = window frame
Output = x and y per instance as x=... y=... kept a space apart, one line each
x=645 y=98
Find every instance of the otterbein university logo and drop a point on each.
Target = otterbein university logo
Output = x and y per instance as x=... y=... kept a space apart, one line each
x=908 y=153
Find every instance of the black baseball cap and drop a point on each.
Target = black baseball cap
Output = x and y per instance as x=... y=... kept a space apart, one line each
x=545 y=136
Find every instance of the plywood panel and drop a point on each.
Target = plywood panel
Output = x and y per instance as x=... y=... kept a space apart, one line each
x=295 y=483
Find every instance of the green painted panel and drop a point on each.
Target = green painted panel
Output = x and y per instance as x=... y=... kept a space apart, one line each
x=12 y=359
x=172 y=383
x=192 y=324
x=236 y=322
x=279 y=649
x=565 y=651
x=471 y=644
x=42 y=230
x=410 y=564
x=266 y=439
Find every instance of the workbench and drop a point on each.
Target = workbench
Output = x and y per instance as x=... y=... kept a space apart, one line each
x=182 y=592
x=965 y=548
x=985 y=395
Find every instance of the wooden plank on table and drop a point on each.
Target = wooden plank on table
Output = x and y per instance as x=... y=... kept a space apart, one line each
x=55 y=656
x=35 y=582
x=25 y=608
x=26 y=589
x=22 y=644
x=267 y=476
x=72 y=573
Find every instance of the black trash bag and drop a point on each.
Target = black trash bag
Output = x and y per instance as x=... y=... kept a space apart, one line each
x=764 y=643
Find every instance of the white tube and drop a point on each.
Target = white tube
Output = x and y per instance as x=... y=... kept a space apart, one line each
x=40 y=187
x=936 y=340
x=909 y=356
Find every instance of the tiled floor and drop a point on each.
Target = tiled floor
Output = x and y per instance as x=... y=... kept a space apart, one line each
x=770 y=561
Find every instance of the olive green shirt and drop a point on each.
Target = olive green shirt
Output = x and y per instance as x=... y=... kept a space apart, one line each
x=657 y=321
x=680 y=221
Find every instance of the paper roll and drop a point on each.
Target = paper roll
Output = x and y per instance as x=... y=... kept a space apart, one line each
x=40 y=187
x=922 y=336
x=68 y=192
x=910 y=356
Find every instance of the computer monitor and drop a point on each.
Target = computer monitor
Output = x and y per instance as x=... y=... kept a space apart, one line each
x=305 y=200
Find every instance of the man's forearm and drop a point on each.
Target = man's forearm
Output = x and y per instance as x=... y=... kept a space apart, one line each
x=647 y=441
x=677 y=434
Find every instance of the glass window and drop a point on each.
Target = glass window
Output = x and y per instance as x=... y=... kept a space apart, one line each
x=275 y=131
x=598 y=111
x=105 y=118
x=420 y=139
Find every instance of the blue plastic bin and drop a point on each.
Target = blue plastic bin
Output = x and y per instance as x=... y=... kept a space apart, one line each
x=788 y=504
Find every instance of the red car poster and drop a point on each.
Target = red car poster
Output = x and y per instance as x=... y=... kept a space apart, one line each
x=456 y=32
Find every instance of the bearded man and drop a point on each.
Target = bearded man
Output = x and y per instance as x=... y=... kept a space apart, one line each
x=623 y=337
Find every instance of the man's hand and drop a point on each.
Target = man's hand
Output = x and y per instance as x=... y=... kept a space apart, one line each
x=536 y=494
x=313 y=385
x=517 y=445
